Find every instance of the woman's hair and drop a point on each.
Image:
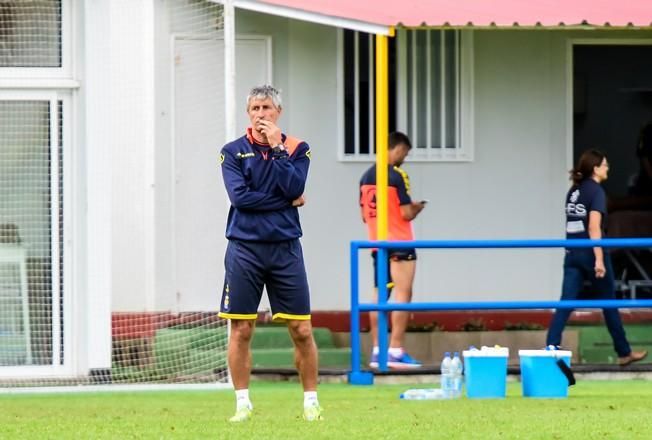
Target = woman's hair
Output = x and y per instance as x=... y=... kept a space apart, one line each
x=584 y=168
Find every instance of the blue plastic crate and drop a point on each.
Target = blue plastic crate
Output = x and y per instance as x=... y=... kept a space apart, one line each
x=485 y=373
x=540 y=374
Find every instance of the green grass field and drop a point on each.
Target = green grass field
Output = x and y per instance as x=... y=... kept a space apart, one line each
x=596 y=410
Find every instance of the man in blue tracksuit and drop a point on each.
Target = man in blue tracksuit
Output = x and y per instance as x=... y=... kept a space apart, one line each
x=265 y=174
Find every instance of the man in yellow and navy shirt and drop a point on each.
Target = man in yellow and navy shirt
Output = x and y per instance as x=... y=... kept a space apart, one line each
x=402 y=262
x=265 y=175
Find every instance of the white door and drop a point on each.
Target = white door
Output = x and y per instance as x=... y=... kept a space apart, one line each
x=201 y=203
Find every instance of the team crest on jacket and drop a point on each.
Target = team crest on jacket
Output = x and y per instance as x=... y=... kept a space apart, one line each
x=575 y=195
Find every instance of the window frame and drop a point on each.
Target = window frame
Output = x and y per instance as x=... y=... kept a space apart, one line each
x=464 y=151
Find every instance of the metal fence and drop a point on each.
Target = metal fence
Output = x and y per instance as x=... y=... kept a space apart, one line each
x=357 y=376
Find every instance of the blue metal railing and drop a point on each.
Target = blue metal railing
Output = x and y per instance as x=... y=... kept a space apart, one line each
x=383 y=306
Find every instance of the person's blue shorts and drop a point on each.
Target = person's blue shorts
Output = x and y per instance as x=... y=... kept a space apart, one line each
x=250 y=266
x=394 y=255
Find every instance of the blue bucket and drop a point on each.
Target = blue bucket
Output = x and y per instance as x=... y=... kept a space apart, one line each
x=485 y=373
x=541 y=376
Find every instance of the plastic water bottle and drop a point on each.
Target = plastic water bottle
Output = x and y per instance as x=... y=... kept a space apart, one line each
x=422 y=394
x=446 y=376
x=457 y=368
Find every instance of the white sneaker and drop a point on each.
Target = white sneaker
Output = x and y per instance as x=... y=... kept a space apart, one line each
x=241 y=415
x=312 y=413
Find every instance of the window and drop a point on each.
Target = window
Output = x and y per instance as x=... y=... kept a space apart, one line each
x=430 y=79
x=30 y=33
x=36 y=112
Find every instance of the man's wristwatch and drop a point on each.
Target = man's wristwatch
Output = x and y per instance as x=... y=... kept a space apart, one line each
x=278 y=149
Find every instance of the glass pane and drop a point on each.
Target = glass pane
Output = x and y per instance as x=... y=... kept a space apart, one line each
x=391 y=86
x=432 y=83
x=366 y=84
x=14 y=345
x=409 y=55
x=451 y=87
x=349 y=92
x=422 y=85
x=435 y=88
x=30 y=33
x=25 y=232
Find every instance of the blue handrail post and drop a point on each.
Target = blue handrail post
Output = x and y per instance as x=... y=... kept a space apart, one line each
x=381 y=260
x=355 y=376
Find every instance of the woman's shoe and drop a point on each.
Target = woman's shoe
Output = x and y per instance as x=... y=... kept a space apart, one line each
x=634 y=356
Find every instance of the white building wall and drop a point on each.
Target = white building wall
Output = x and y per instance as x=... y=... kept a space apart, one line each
x=93 y=236
x=114 y=60
x=132 y=146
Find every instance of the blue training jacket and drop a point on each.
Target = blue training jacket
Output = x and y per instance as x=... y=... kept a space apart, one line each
x=261 y=186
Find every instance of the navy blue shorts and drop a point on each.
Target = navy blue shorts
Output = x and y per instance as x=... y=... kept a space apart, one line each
x=250 y=266
x=394 y=255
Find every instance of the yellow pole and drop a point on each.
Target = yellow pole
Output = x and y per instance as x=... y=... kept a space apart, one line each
x=382 y=127
x=382 y=103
